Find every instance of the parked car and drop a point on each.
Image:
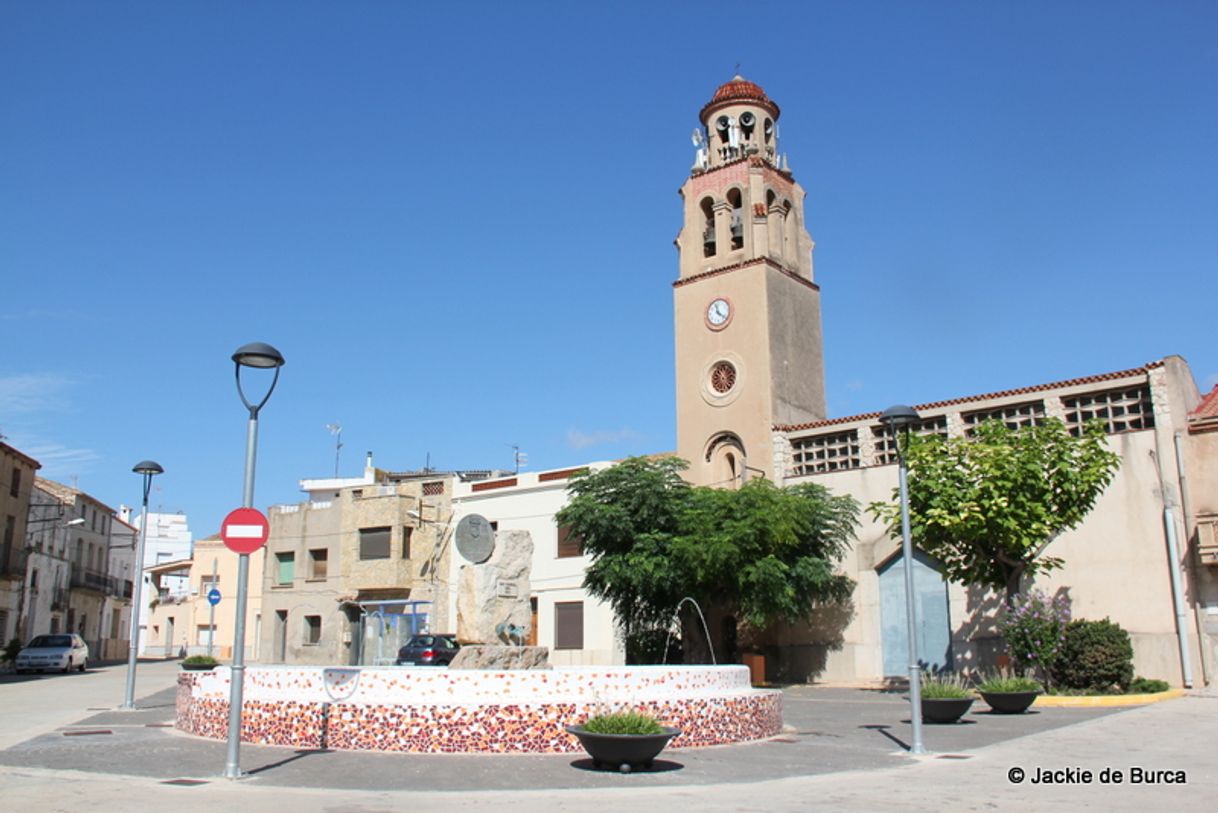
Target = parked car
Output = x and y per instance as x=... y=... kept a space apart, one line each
x=428 y=650
x=63 y=652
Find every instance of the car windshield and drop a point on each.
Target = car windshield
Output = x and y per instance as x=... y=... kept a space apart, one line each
x=422 y=640
x=48 y=641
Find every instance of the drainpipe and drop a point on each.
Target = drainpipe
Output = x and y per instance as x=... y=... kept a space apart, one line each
x=1190 y=528
x=1173 y=563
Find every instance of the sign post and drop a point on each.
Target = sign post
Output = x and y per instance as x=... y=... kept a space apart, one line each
x=213 y=598
x=244 y=531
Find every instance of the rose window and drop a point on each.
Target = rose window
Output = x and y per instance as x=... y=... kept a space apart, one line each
x=722 y=377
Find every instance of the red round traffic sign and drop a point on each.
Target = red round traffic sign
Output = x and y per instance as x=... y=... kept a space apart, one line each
x=245 y=530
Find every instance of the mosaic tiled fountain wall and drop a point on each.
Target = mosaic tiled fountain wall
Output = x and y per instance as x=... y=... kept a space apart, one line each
x=434 y=710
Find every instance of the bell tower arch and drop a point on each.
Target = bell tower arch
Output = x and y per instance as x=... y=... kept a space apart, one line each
x=746 y=308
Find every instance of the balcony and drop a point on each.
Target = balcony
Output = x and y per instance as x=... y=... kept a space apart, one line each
x=85 y=579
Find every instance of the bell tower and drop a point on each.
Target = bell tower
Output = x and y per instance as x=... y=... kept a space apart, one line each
x=746 y=308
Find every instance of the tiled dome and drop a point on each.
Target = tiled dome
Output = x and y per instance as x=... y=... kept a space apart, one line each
x=738 y=90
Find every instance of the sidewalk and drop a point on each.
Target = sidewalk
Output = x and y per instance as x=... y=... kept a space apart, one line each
x=843 y=750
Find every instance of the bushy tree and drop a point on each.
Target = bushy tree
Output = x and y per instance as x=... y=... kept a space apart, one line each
x=988 y=506
x=760 y=553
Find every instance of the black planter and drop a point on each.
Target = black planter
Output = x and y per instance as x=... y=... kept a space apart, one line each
x=198 y=667
x=625 y=752
x=1010 y=702
x=944 y=709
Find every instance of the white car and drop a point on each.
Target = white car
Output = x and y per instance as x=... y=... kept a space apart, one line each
x=63 y=652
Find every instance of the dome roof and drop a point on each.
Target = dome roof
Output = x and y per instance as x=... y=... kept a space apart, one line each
x=738 y=90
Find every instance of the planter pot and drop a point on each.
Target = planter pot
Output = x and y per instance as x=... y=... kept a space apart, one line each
x=198 y=667
x=625 y=752
x=1010 y=702
x=945 y=709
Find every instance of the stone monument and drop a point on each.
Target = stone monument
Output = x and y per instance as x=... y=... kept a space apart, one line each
x=494 y=618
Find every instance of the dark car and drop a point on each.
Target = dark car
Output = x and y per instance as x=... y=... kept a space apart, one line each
x=428 y=650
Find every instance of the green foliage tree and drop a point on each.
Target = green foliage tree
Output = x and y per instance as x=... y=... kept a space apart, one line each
x=987 y=507
x=760 y=553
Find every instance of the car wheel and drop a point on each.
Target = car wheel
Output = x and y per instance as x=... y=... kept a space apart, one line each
x=82 y=666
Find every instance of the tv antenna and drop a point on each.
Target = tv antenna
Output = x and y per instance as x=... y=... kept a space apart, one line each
x=337 y=431
x=519 y=458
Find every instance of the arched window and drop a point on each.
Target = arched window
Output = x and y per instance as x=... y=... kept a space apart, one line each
x=708 y=229
x=735 y=199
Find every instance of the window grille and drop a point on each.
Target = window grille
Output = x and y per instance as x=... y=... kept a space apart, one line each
x=1123 y=410
x=1015 y=416
x=822 y=453
x=885 y=440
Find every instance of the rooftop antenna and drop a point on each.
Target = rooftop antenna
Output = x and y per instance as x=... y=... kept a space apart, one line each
x=519 y=458
x=337 y=431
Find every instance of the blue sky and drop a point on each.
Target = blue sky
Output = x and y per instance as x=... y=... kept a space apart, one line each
x=455 y=220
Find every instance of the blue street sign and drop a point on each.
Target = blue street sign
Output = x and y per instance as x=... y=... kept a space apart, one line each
x=213 y=596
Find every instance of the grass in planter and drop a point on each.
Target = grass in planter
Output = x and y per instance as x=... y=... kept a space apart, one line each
x=945 y=686
x=623 y=722
x=1006 y=682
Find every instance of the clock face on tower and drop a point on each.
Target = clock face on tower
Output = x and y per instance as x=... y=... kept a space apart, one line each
x=718 y=313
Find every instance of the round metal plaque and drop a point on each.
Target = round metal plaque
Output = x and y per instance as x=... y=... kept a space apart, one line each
x=475 y=539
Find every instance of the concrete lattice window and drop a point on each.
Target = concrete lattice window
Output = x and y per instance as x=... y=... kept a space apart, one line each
x=1015 y=416
x=822 y=453
x=1123 y=410
x=886 y=443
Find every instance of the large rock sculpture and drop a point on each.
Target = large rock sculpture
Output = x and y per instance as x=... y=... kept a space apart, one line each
x=493 y=597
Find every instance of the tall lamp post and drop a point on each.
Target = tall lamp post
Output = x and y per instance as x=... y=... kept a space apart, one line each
x=147 y=469
x=899 y=419
x=259 y=356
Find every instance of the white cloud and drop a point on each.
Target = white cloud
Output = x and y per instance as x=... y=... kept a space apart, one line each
x=37 y=392
x=58 y=461
x=578 y=439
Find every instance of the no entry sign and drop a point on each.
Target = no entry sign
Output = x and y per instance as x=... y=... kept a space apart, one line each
x=245 y=530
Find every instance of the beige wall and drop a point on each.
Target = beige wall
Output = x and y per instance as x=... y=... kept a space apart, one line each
x=190 y=612
x=1117 y=564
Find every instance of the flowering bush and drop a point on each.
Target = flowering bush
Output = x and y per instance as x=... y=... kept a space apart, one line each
x=1033 y=627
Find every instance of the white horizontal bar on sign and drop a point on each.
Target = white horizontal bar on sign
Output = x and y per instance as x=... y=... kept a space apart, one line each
x=244 y=531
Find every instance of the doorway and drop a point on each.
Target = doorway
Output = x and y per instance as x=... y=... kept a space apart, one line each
x=934 y=633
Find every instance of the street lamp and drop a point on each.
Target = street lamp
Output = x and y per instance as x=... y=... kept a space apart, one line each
x=899 y=419
x=257 y=355
x=147 y=469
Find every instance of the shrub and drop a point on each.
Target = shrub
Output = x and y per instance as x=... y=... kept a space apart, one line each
x=623 y=722
x=944 y=686
x=1032 y=628
x=1143 y=685
x=11 y=649
x=200 y=660
x=1095 y=656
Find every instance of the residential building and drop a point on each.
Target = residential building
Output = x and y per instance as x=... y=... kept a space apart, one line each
x=17 y=472
x=81 y=578
x=168 y=540
x=353 y=571
x=182 y=619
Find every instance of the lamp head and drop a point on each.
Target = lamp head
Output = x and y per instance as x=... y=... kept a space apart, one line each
x=258 y=354
x=72 y=523
x=148 y=468
x=899 y=417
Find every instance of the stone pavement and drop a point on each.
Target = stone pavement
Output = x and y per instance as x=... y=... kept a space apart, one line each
x=844 y=749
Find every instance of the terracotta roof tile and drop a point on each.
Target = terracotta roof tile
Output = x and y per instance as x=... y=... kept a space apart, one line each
x=738 y=89
x=1208 y=408
x=870 y=416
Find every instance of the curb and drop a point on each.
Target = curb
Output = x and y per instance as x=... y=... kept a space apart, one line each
x=1110 y=700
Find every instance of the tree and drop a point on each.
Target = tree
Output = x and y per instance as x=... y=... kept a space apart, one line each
x=987 y=507
x=760 y=552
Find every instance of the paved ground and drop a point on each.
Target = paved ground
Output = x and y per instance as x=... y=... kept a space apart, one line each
x=845 y=749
